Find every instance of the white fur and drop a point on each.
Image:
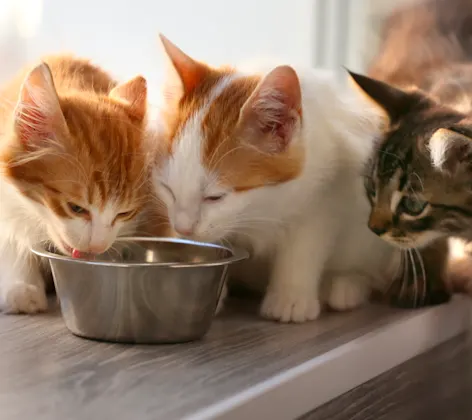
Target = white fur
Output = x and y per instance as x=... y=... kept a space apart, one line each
x=23 y=223
x=438 y=146
x=311 y=228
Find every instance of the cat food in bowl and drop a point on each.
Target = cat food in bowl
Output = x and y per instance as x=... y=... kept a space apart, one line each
x=143 y=290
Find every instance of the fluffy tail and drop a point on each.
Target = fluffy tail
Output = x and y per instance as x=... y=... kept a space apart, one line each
x=422 y=36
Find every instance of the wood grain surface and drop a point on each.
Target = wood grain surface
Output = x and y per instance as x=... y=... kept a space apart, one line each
x=436 y=385
x=47 y=373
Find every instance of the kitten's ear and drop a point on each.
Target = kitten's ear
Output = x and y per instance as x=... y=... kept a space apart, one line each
x=134 y=94
x=450 y=150
x=38 y=112
x=183 y=72
x=271 y=115
x=391 y=100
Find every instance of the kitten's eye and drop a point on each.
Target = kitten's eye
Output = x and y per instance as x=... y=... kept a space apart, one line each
x=213 y=198
x=125 y=214
x=167 y=188
x=75 y=208
x=413 y=205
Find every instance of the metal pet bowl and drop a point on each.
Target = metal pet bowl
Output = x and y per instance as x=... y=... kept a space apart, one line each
x=143 y=290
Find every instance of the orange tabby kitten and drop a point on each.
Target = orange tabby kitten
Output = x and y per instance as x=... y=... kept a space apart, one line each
x=72 y=171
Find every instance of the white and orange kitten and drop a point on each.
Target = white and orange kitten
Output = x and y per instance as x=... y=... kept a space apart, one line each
x=273 y=162
x=72 y=168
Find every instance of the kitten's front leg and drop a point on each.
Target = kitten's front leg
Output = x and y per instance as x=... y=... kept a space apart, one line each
x=348 y=291
x=22 y=288
x=293 y=291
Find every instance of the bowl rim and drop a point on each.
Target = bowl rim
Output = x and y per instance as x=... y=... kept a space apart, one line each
x=238 y=254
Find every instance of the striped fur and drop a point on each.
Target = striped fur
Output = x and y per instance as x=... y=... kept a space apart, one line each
x=73 y=170
x=419 y=178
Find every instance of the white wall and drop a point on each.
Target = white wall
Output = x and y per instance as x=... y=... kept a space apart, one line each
x=122 y=34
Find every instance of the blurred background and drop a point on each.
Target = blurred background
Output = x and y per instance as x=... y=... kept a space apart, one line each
x=121 y=35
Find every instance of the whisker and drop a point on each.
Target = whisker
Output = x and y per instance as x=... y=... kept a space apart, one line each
x=415 y=276
x=419 y=179
x=423 y=273
x=398 y=272
x=405 y=274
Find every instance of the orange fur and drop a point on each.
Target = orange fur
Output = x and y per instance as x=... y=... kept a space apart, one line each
x=95 y=156
x=224 y=146
x=224 y=153
x=155 y=221
x=73 y=169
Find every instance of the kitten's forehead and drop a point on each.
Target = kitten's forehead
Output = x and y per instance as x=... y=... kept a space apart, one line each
x=183 y=170
x=110 y=152
x=100 y=161
x=203 y=130
x=402 y=164
x=196 y=102
x=210 y=117
x=395 y=155
x=406 y=141
x=212 y=109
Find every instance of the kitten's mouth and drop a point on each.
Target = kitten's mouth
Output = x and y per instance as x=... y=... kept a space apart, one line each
x=405 y=244
x=399 y=242
x=73 y=252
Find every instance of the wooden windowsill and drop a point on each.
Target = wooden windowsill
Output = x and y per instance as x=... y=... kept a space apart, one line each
x=245 y=368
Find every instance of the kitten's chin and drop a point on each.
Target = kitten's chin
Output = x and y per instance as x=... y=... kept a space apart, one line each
x=419 y=242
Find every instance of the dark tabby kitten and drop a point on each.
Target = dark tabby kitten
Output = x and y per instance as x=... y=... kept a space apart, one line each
x=419 y=180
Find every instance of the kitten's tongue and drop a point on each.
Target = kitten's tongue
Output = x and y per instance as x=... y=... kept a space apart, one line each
x=77 y=254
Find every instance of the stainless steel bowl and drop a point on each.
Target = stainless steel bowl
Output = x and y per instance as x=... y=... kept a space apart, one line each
x=143 y=290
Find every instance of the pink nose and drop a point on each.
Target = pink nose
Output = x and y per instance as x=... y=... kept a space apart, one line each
x=184 y=231
x=98 y=248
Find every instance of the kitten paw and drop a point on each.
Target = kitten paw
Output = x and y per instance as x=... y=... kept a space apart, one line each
x=283 y=308
x=222 y=299
x=348 y=293
x=23 y=298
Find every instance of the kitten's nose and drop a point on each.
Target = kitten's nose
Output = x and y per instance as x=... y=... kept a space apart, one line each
x=99 y=248
x=380 y=221
x=184 y=231
x=184 y=225
x=378 y=230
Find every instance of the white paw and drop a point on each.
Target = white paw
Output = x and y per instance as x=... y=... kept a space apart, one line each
x=348 y=293
x=24 y=298
x=286 y=308
x=221 y=300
